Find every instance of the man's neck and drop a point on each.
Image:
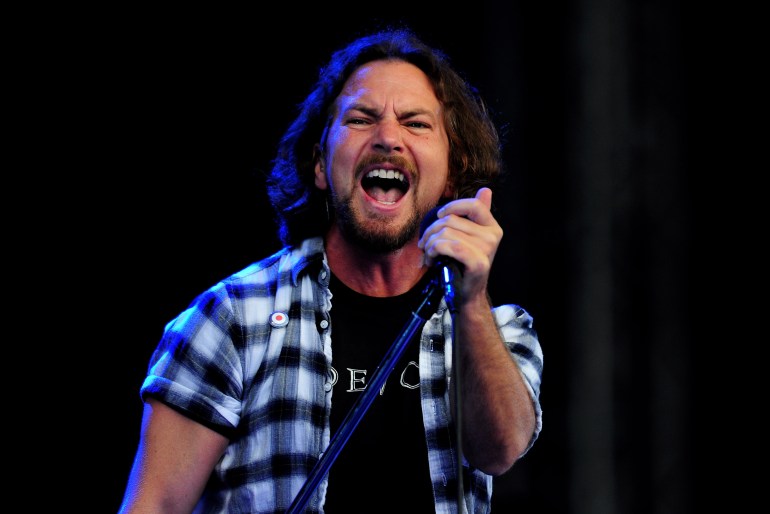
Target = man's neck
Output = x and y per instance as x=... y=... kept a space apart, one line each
x=374 y=274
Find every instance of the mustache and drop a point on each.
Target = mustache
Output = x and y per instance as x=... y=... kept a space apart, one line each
x=394 y=160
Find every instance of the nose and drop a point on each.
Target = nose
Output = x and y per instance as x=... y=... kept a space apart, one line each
x=388 y=136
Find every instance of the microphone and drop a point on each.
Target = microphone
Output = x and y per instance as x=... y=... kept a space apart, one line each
x=449 y=270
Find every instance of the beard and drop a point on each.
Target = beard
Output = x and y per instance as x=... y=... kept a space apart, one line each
x=375 y=234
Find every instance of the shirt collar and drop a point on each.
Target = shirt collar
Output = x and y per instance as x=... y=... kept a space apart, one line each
x=310 y=253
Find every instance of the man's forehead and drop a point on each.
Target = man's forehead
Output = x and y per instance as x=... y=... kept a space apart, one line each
x=378 y=84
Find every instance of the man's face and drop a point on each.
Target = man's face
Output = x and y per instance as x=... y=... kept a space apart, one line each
x=386 y=159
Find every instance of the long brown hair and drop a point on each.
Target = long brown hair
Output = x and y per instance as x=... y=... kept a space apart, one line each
x=474 y=144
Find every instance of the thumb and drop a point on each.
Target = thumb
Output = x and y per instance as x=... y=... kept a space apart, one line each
x=485 y=195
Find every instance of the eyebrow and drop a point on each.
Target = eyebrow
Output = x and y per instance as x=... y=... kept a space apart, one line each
x=369 y=111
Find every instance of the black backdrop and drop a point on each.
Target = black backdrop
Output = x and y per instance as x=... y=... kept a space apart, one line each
x=183 y=110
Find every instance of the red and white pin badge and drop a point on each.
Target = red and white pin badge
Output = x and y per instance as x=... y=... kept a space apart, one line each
x=279 y=319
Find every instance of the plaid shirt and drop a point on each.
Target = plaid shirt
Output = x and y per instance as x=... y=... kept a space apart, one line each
x=251 y=358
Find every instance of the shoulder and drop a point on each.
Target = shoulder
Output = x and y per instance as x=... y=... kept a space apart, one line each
x=512 y=314
x=285 y=264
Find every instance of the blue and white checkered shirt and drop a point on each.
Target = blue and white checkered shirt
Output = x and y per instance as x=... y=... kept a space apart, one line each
x=251 y=358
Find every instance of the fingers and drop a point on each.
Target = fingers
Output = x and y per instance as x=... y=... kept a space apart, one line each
x=475 y=209
x=465 y=231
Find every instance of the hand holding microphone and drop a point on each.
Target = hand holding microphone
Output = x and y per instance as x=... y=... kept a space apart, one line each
x=462 y=238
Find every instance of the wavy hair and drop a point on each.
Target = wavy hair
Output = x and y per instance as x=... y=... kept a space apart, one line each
x=474 y=144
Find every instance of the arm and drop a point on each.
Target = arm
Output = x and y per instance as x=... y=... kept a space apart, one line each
x=175 y=458
x=498 y=415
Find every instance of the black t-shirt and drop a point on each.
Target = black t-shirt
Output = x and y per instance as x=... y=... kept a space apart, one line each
x=383 y=467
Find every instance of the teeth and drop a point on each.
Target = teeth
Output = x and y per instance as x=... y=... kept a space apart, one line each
x=386 y=174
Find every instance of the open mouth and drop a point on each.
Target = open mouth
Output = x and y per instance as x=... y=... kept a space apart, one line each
x=385 y=186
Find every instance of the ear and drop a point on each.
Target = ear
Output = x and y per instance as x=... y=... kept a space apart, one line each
x=318 y=169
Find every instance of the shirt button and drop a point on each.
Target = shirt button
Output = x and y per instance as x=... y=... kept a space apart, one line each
x=324 y=323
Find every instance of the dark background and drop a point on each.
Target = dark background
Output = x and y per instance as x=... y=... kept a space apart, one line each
x=171 y=118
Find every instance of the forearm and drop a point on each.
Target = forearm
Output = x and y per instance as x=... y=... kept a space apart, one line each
x=497 y=412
